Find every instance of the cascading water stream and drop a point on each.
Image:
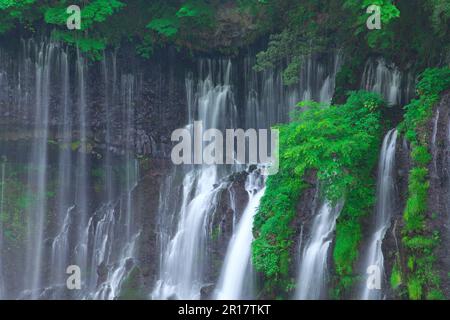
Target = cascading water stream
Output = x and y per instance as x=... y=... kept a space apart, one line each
x=182 y=263
x=433 y=140
x=37 y=176
x=312 y=275
x=268 y=101
x=237 y=261
x=65 y=205
x=383 y=79
x=115 y=256
x=384 y=208
x=81 y=194
x=63 y=212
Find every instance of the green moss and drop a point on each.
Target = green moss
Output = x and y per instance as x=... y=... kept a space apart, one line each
x=131 y=288
x=75 y=145
x=396 y=277
x=435 y=294
x=216 y=233
x=421 y=156
x=415 y=289
x=17 y=202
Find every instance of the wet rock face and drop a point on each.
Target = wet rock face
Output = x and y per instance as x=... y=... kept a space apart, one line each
x=224 y=219
x=302 y=223
x=151 y=93
x=438 y=198
x=130 y=103
x=145 y=199
x=391 y=246
x=438 y=214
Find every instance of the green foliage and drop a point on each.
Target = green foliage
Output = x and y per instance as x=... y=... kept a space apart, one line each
x=389 y=12
x=295 y=28
x=338 y=144
x=433 y=81
x=108 y=22
x=93 y=12
x=191 y=14
x=307 y=25
x=302 y=34
x=13 y=11
x=304 y=27
x=166 y=26
x=440 y=16
x=194 y=9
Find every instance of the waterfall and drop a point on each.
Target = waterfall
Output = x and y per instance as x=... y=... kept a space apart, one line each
x=37 y=176
x=184 y=221
x=81 y=192
x=312 y=274
x=47 y=92
x=183 y=261
x=384 y=79
x=268 y=101
x=237 y=260
x=115 y=256
x=183 y=253
x=110 y=79
x=77 y=128
x=65 y=206
x=434 y=148
x=384 y=208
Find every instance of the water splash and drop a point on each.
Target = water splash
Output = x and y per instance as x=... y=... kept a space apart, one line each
x=313 y=270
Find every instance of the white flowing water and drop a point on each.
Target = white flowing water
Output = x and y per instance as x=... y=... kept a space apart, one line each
x=116 y=220
x=182 y=263
x=268 y=101
x=64 y=222
x=37 y=176
x=81 y=180
x=384 y=208
x=383 y=79
x=313 y=269
x=65 y=205
x=434 y=147
x=237 y=260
